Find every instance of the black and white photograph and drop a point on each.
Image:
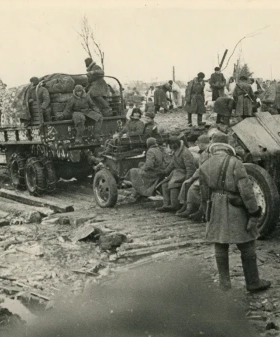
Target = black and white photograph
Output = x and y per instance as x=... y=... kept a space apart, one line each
x=139 y=168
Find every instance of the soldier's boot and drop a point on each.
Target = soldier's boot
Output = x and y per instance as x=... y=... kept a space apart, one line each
x=189 y=119
x=188 y=211
x=197 y=216
x=251 y=273
x=166 y=199
x=175 y=203
x=80 y=128
x=223 y=269
x=199 y=120
x=222 y=261
x=182 y=209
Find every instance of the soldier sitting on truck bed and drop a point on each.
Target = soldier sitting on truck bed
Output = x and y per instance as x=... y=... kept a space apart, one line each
x=43 y=98
x=78 y=108
x=97 y=87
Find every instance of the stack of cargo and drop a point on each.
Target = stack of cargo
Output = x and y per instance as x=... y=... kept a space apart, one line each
x=14 y=101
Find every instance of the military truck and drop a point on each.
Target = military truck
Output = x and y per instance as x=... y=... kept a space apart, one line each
x=38 y=153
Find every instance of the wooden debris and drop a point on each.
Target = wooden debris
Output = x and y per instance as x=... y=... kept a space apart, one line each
x=86 y=272
x=33 y=201
x=156 y=249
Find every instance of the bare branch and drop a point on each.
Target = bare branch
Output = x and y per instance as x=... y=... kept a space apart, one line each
x=253 y=34
x=88 y=40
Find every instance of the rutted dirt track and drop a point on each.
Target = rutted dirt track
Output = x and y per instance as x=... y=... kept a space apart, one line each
x=43 y=259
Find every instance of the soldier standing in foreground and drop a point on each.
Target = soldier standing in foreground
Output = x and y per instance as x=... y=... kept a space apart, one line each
x=232 y=212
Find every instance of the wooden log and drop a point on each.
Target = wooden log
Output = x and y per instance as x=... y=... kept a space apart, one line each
x=156 y=249
x=33 y=201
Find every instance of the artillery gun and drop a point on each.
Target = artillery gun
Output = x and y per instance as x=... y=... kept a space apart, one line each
x=259 y=138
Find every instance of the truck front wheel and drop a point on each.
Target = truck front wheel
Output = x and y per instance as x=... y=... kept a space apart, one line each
x=105 y=188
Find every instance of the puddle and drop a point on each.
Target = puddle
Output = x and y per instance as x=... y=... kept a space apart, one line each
x=27 y=310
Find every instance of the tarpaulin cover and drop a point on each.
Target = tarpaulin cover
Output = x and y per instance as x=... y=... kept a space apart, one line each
x=15 y=105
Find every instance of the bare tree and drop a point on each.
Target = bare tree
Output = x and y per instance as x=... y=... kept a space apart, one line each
x=89 y=42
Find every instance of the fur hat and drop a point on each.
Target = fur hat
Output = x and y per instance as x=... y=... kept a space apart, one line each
x=78 y=87
x=88 y=61
x=34 y=80
x=201 y=75
x=220 y=137
x=151 y=141
x=150 y=114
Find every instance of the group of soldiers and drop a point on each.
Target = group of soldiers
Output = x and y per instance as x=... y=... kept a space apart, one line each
x=243 y=99
x=214 y=188
x=86 y=103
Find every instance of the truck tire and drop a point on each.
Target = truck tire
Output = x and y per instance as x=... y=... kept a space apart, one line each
x=35 y=176
x=16 y=168
x=105 y=189
x=51 y=177
x=267 y=196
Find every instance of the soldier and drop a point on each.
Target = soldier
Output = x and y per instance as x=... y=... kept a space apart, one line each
x=97 y=88
x=160 y=98
x=181 y=167
x=150 y=125
x=244 y=98
x=232 y=212
x=79 y=107
x=190 y=191
x=217 y=83
x=134 y=126
x=223 y=107
x=43 y=98
x=145 y=178
x=195 y=99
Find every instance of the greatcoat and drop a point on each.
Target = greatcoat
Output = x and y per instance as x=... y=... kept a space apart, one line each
x=195 y=97
x=145 y=179
x=181 y=167
x=227 y=223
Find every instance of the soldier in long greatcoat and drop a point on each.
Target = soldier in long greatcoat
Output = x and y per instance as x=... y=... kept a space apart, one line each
x=231 y=210
x=195 y=99
x=181 y=167
x=145 y=179
x=244 y=98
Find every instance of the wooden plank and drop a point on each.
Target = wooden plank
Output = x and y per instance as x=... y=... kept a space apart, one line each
x=33 y=201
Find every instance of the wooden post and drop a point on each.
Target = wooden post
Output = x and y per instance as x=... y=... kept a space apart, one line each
x=223 y=59
x=173 y=73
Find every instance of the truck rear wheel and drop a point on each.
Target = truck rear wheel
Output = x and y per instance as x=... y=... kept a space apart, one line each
x=105 y=189
x=267 y=197
x=35 y=176
x=16 y=168
x=51 y=177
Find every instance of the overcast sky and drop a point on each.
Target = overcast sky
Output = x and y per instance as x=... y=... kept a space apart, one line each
x=142 y=40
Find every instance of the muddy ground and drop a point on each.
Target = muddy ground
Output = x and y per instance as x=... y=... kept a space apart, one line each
x=38 y=261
